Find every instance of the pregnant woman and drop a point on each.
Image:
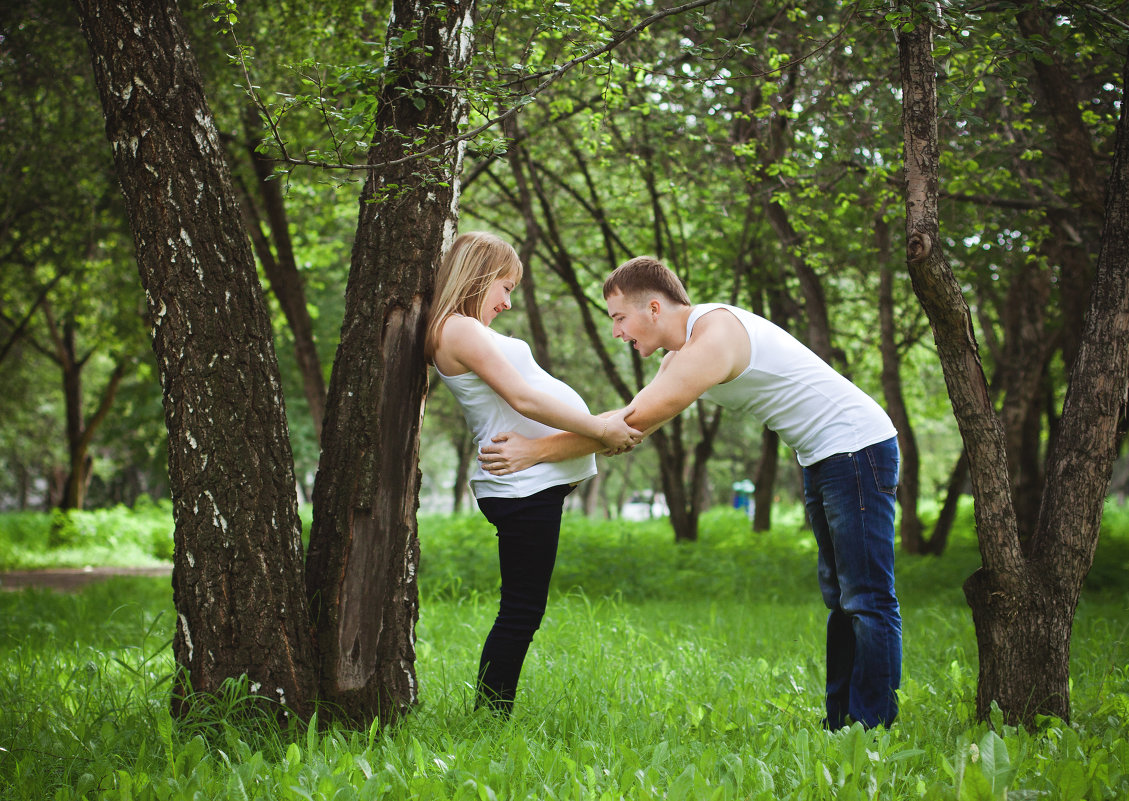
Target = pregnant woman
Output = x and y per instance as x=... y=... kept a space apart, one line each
x=500 y=388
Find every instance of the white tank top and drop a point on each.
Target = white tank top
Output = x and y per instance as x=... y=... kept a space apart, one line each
x=816 y=411
x=487 y=414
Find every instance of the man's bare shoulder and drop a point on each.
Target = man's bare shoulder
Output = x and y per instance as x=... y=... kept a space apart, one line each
x=716 y=322
x=720 y=336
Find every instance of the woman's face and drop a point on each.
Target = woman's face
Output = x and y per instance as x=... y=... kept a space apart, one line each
x=498 y=298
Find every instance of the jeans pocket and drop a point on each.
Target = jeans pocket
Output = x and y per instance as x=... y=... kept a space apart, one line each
x=884 y=466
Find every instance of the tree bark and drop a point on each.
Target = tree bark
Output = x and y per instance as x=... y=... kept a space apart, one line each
x=516 y=156
x=815 y=301
x=361 y=567
x=66 y=356
x=463 y=442
x=237 y=573
x=592 y=492
x=1072 y=141
x=940 y=294
x=958 y=477
x=1079 y=226
x=1022 y=371
x=684 y=479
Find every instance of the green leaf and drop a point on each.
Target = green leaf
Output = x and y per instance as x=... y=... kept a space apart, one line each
x=293 y=755
x=1070 y=781
x=975 y=787
x=995 y=763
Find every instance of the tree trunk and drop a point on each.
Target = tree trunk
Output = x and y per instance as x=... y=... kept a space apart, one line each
x=683 y=482
x=765 y=480
x=1078 y=472
x=80 y=431
x=940 y=294
x=516 y=157
x=593 y=491
x=1023 y=642
x=1075 y=280
x=464 y=455
x=958 y=478
x=71 y=367
x=1072 y=141
x=909 y=483
x=1021 y=375
x=237 y=572
x=672 y=470
x=815 y=302
x=1023 y=604
x=361 y=568
x=815 y=299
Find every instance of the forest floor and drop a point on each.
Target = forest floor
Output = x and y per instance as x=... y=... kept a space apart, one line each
x=72 y=579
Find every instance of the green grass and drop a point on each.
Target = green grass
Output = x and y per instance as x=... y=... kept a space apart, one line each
x=661 y=671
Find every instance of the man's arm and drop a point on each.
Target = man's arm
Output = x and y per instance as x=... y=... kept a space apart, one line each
x=512 y=453
x=717 y=352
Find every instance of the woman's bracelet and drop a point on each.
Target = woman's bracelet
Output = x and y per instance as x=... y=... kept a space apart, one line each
x=604 y=433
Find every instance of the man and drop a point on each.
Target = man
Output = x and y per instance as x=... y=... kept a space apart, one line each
x=845 y=443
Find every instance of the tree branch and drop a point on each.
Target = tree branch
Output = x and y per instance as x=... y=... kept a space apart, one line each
x=19 y=328
x=551 y=77
x=105 y=403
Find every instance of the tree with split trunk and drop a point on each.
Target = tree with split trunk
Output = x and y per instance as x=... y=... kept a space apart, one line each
x=239 y=583
x=361 y=569
x=1024 y=595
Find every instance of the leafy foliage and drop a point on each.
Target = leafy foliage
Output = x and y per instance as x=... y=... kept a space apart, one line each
x=672 y=144
x=117 y=536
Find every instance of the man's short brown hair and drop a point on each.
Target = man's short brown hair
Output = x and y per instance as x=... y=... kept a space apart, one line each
x=643 y=275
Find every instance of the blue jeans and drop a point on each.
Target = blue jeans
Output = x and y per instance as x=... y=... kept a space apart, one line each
x=850 y=502
x=528 y=531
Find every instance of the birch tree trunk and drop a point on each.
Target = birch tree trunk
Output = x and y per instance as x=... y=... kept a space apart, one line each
x=237 y=572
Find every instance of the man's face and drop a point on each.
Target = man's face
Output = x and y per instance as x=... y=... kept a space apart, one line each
x=634 y=321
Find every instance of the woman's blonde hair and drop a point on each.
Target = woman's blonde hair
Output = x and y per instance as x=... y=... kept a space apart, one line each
x=474 y=262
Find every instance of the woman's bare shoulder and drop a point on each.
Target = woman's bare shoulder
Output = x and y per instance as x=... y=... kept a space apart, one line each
x=458 y=335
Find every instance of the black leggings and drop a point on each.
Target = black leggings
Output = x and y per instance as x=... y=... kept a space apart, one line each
x=528 y=531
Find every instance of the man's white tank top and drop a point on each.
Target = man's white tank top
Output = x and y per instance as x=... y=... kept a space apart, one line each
x=487 y=414
x=788 y=388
